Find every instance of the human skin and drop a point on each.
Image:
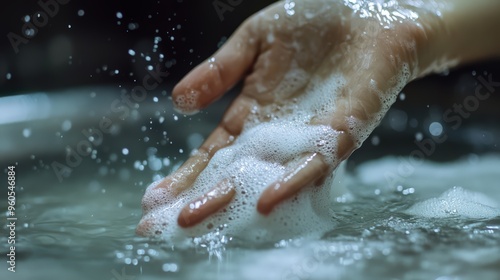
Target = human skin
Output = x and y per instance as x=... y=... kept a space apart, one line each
x=378 y=47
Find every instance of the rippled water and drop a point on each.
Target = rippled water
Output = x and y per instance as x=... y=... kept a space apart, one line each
x=84 y=229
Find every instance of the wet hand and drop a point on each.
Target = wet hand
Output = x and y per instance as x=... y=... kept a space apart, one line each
x=289 y=54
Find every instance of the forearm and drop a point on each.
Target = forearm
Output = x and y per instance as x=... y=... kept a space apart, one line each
x=466 y=31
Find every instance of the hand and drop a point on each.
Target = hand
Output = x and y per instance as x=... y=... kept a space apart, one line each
x=287 y=53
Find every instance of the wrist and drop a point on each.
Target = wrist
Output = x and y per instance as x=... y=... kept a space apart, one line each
x=463 y=31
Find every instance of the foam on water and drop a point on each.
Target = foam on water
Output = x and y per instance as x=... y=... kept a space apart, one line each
x=367 y=235
x=457 y=201
x=441 y=198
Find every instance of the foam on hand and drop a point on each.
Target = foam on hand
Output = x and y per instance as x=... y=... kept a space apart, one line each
x=457 y=202
x=271 y=144
x=273 y=140
x=257 y=158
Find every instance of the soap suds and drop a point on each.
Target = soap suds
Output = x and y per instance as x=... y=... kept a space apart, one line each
x=259 y=157
x=186 y=103
x=273 y=140
x=457 y=202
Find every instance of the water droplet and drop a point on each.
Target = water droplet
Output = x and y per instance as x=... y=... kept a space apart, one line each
x=30 y=32
x=169 y=267
x=125 y=151
x=133 y=26
x=170 y=63
x=81 y=13
x=375 y=140
x=194 y=141
x=131 y=52
x=66 y=125
x=157 y=39
x=154 y=163
x=435 y=128
x=419 y=136
x=27 y=132
x=119 y=15
x=138 y=165
x=289 y=5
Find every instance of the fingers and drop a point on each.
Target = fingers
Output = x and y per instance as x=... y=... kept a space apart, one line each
x=185 y=176
x=212 y=78
x=209 y=203
x=144 y=227
x=310 y=170
x=347 y=140
x=354 y=119
x=222 y=136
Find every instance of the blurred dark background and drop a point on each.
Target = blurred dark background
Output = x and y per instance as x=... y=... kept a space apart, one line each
x=88 y=43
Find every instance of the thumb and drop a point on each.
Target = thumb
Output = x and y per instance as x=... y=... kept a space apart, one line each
x=362 y=105
x=214 y=77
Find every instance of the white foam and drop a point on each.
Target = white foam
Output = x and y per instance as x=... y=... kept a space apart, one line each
x=257 y=158
x=457 y=202
x=390 y=172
